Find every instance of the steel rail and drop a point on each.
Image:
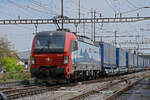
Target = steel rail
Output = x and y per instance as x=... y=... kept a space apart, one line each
x=19 y=93
x=100 y=88
x=12 y=83
x=9 y=83
x=117 y=93
x=23 y=92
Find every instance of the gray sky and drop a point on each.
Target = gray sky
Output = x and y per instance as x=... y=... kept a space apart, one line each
x=21 y=35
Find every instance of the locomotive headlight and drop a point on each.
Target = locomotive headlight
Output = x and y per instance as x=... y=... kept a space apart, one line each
x=32 y=60
x=66 y=59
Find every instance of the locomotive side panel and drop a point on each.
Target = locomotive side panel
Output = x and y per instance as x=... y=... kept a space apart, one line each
x=87 y=57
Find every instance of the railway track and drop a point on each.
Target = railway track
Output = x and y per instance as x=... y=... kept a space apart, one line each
x=28 y=91
x=10 y=84
x=65 y=95
x=13 y=83
x=110 y=90
x=15 y=93
x=12 y=93
x=121 y=90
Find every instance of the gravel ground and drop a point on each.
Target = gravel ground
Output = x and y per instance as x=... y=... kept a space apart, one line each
x=102 y=95
x=139 y=92
x=64 y=93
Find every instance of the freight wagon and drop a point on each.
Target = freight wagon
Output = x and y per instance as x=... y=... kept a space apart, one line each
x=140 y=63
x=130 y=61
x=108 y=58
x=135 y=62
x=121 y=62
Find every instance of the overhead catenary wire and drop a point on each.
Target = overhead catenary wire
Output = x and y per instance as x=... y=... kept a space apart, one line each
x=30 y=8
x=108 y=3
x=38 y=4
x=7 y=15
x=133 y=10
x=43 y=5
x=83 y=10
x=10 y=16
x=131 y=4
x=114 y=6
x=81 y=5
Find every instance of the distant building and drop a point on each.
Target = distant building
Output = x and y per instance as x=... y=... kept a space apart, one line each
x=24 y=58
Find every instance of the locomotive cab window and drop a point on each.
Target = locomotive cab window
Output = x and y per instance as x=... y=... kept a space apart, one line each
x=73 y=45
x=49 y=44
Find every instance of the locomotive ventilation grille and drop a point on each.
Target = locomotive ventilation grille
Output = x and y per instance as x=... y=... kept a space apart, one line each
x=54 y=60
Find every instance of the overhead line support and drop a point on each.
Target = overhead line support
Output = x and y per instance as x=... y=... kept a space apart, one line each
x=62 y=13
x=74 y=20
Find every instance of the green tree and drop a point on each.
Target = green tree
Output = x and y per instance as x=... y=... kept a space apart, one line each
x=6 y=48
x=7 y=51
x=8 y=64
x=8 y=61
x=18 y=68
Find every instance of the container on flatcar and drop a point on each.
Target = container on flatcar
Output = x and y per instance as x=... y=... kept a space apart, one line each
x=121 y=60
x=130 y=62
x=140 y=62
x=144 y=62
x=148 y=61
x=108 y=58
x=135 y=62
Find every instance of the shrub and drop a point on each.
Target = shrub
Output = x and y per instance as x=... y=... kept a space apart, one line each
x=9 y=65
x=15 y=76
x=13 y=71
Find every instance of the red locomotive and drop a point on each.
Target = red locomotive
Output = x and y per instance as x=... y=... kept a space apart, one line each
x=59 y=55
x=51 y=55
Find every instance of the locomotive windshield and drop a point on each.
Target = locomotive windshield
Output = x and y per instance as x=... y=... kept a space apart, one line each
x=49 y=44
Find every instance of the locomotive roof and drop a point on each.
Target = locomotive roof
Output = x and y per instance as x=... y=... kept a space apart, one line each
x=48 y=32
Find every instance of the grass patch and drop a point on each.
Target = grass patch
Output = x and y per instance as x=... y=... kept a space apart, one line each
x=25 y=82
x=14 y=76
